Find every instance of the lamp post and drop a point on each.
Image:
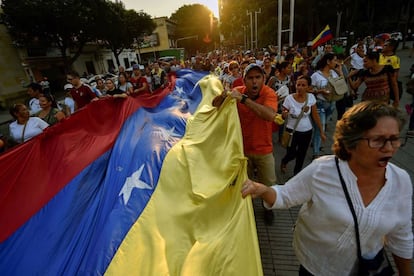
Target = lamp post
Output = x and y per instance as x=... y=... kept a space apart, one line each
x=279 y=27
x=255 y=23
x=251 y=29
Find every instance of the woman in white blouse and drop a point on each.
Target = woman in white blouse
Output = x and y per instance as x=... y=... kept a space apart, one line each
x=365 y=139
x=302 y=135
x=25 y=127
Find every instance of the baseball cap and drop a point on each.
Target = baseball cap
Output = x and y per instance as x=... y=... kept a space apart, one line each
x=68 y=86
x=383 y=36
x=135 y=67
x=252 y=66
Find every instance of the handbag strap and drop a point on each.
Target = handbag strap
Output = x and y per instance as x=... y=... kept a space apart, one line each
x=351 y=206
x=23 y=131
x=300 y=115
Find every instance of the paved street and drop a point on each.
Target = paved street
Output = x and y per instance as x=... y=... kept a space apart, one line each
x=275 y=241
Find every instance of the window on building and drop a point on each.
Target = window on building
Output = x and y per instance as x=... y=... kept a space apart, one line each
x=126 y=62
x=111 y=65
x=90 y=67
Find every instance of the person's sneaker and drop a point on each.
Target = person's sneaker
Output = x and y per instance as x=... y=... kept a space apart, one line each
x=410 y=133
x=268 y=217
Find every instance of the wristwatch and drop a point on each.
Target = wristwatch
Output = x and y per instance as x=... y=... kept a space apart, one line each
x=244 y=98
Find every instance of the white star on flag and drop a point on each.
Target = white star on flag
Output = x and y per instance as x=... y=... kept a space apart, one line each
x=179 y=90
x=167 y=134
x=133 y=182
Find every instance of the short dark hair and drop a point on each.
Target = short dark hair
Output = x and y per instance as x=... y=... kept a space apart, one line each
x=357 y=120
x=73 y=74
x=324 y=60
x=305 y=77
x=393 y=43
x=373 y=55
x=35 y=87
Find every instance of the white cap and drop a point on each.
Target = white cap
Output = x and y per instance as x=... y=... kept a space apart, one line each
x=68 y=86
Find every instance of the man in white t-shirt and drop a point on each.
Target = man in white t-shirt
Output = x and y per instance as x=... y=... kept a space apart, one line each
x=34 y=90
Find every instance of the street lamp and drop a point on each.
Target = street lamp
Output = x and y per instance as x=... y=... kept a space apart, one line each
x=251 y=30
x=255 y=22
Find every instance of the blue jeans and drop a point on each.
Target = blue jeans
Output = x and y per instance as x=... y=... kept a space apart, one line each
x=323 y=109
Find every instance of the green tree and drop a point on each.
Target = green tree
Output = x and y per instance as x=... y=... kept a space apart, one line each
x=66 y=24
x=196 y=28
x=121 y=28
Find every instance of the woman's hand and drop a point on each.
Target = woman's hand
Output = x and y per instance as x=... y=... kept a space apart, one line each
x=256 y=189
x=323 y=136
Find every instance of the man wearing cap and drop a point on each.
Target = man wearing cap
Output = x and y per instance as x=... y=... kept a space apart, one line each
x=139 y=83
x=257 y=105
x=380 y=40
x=34 y=90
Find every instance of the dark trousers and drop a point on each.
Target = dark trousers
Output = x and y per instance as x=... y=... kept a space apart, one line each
x=298 y=149
x=304 y=272
x=340 y=108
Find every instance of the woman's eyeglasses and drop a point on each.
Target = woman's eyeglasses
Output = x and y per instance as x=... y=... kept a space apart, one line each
x=380 y=142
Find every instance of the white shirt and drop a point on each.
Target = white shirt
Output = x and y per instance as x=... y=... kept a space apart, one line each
x=353 y=49
x=34 y=127
x=70 y=103
x=295 y=108
x=320 y=81
x=357 y=61
x=125 y=86
x=34 y=106
x=324 y=238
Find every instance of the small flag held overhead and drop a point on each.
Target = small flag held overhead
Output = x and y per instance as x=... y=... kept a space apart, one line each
x=322 y=37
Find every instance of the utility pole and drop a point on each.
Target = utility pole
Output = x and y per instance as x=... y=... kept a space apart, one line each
x=251 y=29
x=338 y=23
x=244 y=37
x=291 y=24
x=255 y=22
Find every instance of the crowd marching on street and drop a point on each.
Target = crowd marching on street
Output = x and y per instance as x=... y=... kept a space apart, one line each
x=286 y=100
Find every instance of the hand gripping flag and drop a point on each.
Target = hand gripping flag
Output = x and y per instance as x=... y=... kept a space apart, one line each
x=138 y=186
x=322 y=37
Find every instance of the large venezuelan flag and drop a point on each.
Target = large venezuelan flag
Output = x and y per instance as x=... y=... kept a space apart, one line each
x=322 y=37
x=138 y=186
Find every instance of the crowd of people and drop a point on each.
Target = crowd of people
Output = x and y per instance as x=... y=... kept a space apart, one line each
x=293 y=93
x=338 y=232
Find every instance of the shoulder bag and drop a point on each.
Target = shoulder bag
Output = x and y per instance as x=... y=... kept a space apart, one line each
x=338 y=86
x=286 y=140
x=380 y=264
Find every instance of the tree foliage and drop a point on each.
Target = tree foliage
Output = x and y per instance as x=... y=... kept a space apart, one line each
x=195 y=22
x=70 y=24
x=123 y=27
x=66 y=24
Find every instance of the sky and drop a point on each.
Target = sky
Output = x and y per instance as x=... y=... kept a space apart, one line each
x=158 y=8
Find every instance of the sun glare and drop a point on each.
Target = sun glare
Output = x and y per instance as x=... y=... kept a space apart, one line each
x=212 y=5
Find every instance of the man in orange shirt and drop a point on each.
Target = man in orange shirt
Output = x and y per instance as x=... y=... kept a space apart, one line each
x=257 y=106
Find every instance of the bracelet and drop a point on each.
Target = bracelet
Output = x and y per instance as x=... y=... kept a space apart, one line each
x=244 y=98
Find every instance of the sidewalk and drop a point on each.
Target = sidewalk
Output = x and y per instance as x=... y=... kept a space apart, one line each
x=275 y=241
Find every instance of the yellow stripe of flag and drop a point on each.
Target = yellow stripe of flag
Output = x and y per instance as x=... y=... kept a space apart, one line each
x=196 y=222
